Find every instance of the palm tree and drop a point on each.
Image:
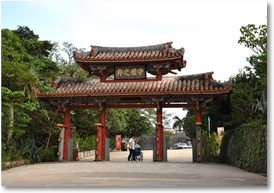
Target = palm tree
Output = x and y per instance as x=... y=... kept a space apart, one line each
x=178 y=123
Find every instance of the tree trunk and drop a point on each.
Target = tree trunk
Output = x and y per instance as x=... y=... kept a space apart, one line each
x=48 y=141
x=9 y=132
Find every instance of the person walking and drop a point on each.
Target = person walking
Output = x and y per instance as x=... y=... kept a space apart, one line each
x=131 y=156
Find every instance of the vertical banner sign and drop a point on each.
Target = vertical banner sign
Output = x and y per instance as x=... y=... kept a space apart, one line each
x=118 y=142
x=220 y=133
x=130 y=72
x=208 y=125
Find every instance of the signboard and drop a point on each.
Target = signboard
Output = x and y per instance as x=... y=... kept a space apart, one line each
x=220 y=133
x=130 y=72
x=118 y=142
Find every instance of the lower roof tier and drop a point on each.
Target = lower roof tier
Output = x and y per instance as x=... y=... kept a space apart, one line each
x=173 y=85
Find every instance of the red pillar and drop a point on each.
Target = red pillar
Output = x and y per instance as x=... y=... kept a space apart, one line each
x=198 y=125
x=103 y=123
x=99 y=143
x=67 y=134
x=159 y=135
x=100 y=146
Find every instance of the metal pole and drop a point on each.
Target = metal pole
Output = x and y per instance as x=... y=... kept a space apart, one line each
x=209 y=125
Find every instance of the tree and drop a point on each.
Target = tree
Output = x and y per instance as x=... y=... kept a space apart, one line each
x=251 y=85
x=189 y=122
x=68 y=68
x=255 y=38
x=25 y=68
x=137 y=124
x=151 y=114
x=178 y=123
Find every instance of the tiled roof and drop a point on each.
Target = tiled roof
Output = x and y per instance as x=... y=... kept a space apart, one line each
x=190 y=84
x=113 y=55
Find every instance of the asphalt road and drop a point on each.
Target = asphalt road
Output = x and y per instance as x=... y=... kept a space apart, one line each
x=178 y=171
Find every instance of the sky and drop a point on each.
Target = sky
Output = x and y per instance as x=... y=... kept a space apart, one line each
x=208 y=30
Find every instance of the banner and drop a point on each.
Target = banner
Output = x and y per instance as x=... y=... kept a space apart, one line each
x=220 y=133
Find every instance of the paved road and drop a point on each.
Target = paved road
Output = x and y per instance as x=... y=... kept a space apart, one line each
x=178 y=171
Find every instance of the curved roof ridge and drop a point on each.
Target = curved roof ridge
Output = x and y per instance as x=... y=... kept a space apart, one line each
x=164 y=47
x=159 y=47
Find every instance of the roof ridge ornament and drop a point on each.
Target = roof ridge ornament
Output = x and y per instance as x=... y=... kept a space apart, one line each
x=92 y=52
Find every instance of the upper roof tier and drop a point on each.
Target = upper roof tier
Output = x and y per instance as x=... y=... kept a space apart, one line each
x=99 y=58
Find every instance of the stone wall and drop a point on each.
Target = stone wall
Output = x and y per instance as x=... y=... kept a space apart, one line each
x=149 y=141
x=246 y=148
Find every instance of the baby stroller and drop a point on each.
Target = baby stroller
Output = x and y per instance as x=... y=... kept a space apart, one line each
x=138 y=154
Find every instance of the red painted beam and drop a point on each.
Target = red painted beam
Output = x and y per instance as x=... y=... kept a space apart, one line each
x=121 y=106
x=131 y=106
x=178 y=105
x=84 y=107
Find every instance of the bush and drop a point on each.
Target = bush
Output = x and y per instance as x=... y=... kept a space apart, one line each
x=86 y=143
x=49 y=155
x=212 y=144
x=31 y=152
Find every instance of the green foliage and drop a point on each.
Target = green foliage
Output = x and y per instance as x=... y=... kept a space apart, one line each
x=25 y=67
x=137 y=124
x=31 y=152
x=86 y=142
x=178 y=123
x=68 y=68
x=261 y=107
x=49 y=155
x=189 y=123
x=167 y=133
x=212 y=144
x=117 y=120
x=242 y=98
x=12 y=103
x=151 y=114
x=255 y=38
x=4 y=156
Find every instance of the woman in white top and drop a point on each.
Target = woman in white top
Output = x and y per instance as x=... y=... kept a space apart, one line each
x=131 y=149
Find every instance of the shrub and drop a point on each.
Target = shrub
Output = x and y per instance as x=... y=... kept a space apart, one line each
x=31 y=152
x=49 y=155
x=212 y=144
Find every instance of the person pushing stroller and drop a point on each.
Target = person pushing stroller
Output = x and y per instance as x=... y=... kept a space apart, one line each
x=131 y=156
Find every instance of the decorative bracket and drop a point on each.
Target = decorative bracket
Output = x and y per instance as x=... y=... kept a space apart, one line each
x=197 y=104
x=158 y=102
x=98 y=125
x=205 y=102
x=198 y=124
x=60 y=104
x=100 y=101
x=158 y=124
x=101 y=71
